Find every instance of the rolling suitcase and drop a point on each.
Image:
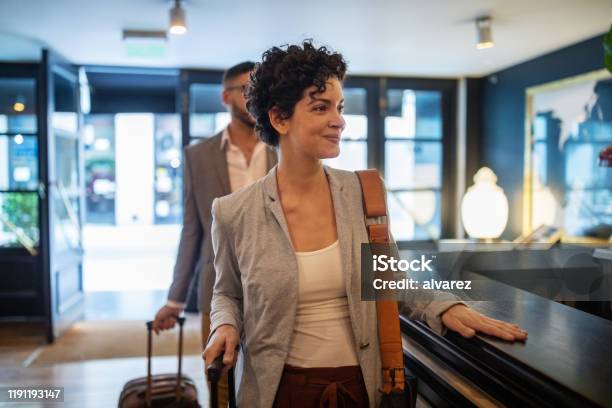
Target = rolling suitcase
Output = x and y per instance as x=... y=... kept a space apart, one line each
x=213 y=373
x=161 y=390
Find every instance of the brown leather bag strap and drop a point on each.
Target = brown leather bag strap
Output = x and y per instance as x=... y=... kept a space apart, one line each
x=389 y=337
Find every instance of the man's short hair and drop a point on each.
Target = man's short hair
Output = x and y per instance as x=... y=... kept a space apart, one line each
x=237 y=70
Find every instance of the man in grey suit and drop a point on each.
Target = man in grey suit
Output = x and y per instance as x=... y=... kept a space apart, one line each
x=213 y=168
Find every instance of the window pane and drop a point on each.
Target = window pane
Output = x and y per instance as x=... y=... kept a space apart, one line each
x=413 y=114
x=356 y=127
x=413 y=164
x=18 y=105
x=207 y=114
x=18 y=162
x=414 y=215
x=66 y=202
x=65 y=192
x=99 y=153
x=18 y=219
x=168 y=169
x=353 y=156
x=353 y=146
x=203 y=125
x=64 y=92
x=355 y=101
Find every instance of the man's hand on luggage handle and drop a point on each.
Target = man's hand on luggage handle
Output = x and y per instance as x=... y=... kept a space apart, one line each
x=467 y=322
x=224 y=340
x=165 y=318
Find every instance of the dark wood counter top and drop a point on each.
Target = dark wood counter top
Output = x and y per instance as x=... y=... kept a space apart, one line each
x=566 y=361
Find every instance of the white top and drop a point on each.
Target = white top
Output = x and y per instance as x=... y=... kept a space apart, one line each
x=322 y=335
x=241 y=173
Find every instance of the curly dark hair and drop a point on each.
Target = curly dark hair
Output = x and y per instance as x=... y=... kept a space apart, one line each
x=280 y=79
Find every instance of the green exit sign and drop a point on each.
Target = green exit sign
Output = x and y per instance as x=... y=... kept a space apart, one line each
x=145 y=50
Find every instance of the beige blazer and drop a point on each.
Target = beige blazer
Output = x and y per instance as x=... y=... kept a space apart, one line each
x=257 y=278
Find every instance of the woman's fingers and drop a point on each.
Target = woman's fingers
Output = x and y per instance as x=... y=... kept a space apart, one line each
x=456 y=325
x=493 y=330
x=213 y=349
x=493 y=327
x=467 y=322
x=514 y=329
x=224 y=341
x=230 y=355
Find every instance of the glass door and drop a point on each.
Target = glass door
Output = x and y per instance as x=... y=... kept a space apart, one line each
x=65 y=193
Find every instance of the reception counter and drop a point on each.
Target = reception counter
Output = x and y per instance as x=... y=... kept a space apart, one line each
x=565 y=362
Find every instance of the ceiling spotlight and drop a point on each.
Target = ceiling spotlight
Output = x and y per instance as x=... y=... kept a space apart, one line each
x=483 y=27
x=178 y=23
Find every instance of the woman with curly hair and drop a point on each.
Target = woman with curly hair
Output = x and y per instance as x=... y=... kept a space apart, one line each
x=287 y=254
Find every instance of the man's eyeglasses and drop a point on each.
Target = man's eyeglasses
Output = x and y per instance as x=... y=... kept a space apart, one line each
x=242 y=88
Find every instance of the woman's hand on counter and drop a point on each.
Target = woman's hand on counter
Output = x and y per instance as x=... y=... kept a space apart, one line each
x=467 y=322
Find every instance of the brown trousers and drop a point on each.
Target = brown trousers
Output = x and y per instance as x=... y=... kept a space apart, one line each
x=321 y=387
x=223 y=388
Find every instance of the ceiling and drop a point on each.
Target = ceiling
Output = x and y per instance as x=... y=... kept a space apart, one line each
x=396 y=37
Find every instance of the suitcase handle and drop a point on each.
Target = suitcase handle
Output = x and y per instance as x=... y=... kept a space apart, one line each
x=213 y=374
x=178 y=389
x=213 y=371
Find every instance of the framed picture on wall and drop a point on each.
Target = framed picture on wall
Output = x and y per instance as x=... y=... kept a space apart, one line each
x=568 y=124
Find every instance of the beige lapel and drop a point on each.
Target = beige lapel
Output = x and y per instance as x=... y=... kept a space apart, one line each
x=273 y=202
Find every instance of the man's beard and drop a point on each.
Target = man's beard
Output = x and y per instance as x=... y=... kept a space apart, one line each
x=243 y=116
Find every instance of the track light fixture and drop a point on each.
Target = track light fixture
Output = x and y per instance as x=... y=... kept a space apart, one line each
x=178 y=25
x=483 y=30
